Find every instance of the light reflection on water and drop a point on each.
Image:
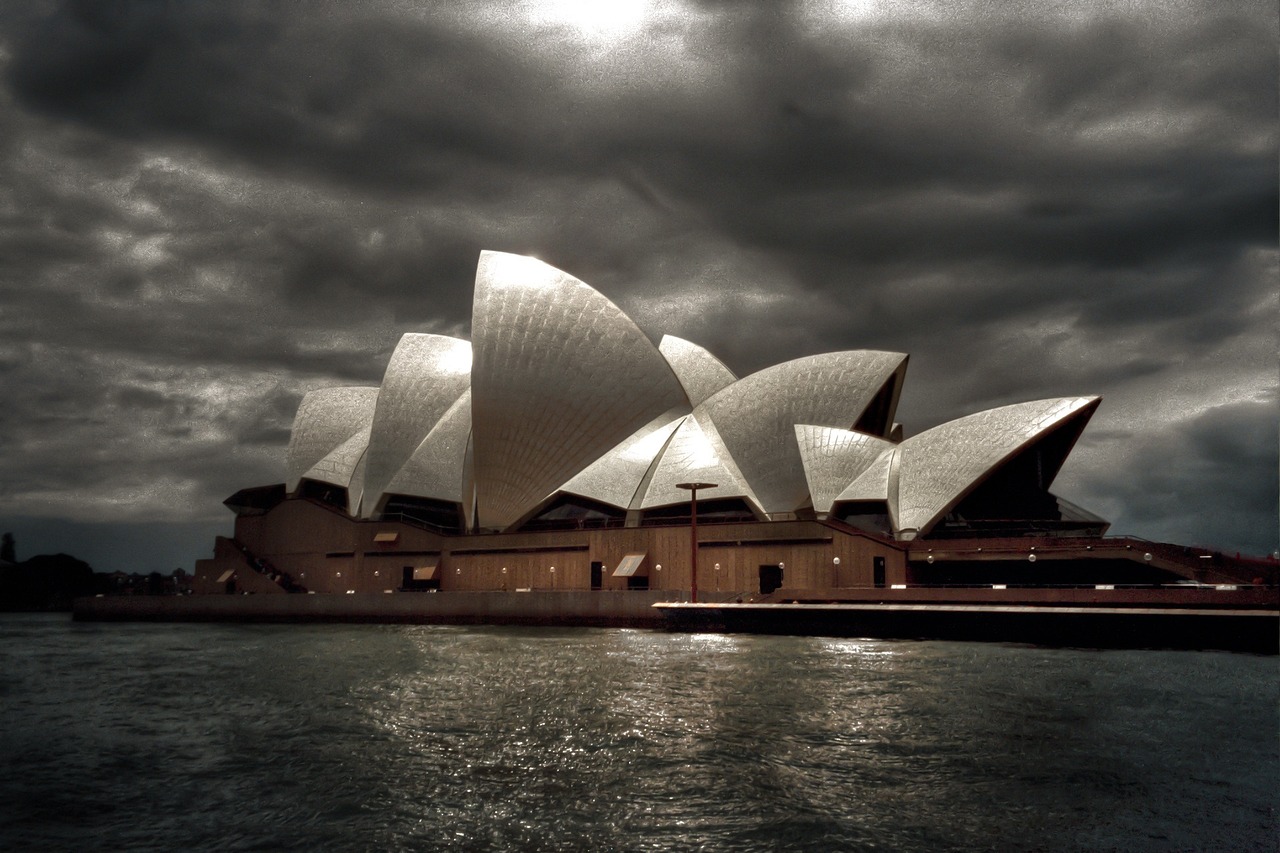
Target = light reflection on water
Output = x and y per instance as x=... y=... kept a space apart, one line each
x=415 y=737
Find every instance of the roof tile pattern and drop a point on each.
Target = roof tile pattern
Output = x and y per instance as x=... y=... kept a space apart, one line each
x=833 y=458
x=615 y=477
x=345 y=467
x=756 y=416
x=425 y=377
x=561 y=376
x=938 y=467
x=326 y=418
x=700 y=373
x=695 y=453
x=435 y=470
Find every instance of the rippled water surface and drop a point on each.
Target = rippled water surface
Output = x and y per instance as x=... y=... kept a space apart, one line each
x=219 y=737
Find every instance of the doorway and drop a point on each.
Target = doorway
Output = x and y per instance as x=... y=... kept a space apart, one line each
x=877 y=572
x=770 y=578
x=597 y=574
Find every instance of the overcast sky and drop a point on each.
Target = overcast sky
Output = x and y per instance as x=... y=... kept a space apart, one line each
x=207 y=209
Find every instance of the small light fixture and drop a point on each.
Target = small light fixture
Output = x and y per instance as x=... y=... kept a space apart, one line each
x=658 y=567
x=553 y=570
x=835 y=560
x=929 y=559
x=504 y=570
x=782 y=565
x=1031 y=558
x=1147 y=556
x=717 y=567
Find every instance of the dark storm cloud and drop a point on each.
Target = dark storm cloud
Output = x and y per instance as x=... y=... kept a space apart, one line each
x=353 y=98
x=1219 y=452
x=210 y=208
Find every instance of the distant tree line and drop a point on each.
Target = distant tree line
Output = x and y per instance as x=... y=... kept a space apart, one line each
x=53 y=581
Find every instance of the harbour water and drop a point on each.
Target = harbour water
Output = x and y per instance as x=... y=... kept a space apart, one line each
x=335 y=737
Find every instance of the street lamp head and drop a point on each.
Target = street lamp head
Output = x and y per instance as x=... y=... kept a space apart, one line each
x=694 y=486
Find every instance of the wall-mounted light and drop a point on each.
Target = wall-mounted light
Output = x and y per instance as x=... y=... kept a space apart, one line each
x=658 y=567
x=717 y=567
x=1031 y=558
x=782 y=565
x=835 y=560
x=553 y=570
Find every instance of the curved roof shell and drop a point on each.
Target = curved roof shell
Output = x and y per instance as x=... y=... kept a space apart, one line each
x=833 y=458
x=424 y=379
x=436 y=468
x=695 y=453
x=617 y=477
x=326 y=419
x=345 y=467
x=566 y=395
x=939 y=467
x=560 y=377
x=756 y=416
x=701 y=374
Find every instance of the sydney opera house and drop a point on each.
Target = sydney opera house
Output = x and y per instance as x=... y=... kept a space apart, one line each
x=562 y=450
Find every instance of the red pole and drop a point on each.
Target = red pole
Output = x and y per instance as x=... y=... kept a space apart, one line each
x=693 y=537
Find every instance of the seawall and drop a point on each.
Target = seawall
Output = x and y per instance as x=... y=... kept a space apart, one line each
x=633 y=608
x=1242 y=630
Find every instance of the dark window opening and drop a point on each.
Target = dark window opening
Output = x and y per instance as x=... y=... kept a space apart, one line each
x=877 y=418
x=718 y=511
x=877 y=572
x=325 y=493
x=1014 y=492
x=1043 y=573
x=437 y=515
x=571 y=512
x=871 y=516
x=597 y=574
x=770 y=578
x=634 y=582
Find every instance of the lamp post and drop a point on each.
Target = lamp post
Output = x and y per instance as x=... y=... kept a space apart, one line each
x=693 y=529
